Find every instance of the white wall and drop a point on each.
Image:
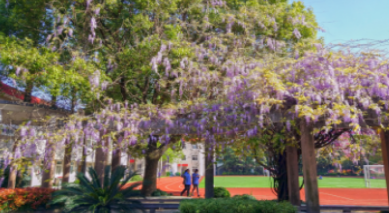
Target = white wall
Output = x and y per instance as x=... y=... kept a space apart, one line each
x=174 y=168
x=201 y=160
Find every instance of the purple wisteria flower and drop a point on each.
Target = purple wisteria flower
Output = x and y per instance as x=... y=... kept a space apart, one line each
x=296 y=33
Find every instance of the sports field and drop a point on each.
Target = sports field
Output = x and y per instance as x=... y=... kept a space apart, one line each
x=332 y=190
x=265 y=182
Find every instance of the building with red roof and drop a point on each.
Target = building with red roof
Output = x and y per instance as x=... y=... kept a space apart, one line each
x=12 y=94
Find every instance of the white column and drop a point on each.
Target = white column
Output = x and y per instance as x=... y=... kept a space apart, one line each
x=174 y=168
x=201 y=161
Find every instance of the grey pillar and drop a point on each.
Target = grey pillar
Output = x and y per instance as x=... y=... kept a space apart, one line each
x=309 y=168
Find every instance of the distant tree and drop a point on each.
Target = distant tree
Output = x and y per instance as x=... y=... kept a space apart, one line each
x=233 y=163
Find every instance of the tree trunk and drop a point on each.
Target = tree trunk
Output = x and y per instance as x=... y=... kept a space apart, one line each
x=116 y=159
x=54 y=101
x=74 y=100
x=49 y=166
x=13 y=170
x=123 y=88
x=83 y=165
x=281 y=178
x=293 y=175
x=309 y=167
x=150 y=178
x=209 y=172
x=28 y=92
x=67 y=160
x=153 y=154
x=101 y=159
x=385 y=156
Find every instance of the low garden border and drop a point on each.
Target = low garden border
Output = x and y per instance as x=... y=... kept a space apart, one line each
x=348 y=209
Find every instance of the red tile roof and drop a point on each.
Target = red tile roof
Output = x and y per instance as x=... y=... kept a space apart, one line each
x=20 y=95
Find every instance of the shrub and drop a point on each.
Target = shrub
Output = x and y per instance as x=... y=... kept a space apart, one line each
x=168 y=174
x=137 y=178
x=158 y=193
x=178 y=174
x=230 y=205
x=221 y=192
x=241 y=173
x=332 y=175
x=24 y=199
x=91 y=196
x=244 y=197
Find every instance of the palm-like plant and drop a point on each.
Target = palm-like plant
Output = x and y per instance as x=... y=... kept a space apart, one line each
x=92 y=196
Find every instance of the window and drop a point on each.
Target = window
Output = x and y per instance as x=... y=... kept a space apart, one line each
x=73 y=168
x=139 y=166
x=58 y=168
x=194 y=146
x=183 y=157
x=194 y=157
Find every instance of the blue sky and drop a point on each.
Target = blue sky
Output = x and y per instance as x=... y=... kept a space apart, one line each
x=346 y=20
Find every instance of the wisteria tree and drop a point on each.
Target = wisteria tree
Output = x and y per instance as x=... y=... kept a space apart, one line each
x=223 y=73
x=357 y=149
x=177 y=37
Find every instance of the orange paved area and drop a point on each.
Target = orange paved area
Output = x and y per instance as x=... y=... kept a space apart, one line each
x=335 y=196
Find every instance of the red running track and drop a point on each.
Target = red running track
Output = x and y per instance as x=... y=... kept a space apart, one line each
x=328 y=196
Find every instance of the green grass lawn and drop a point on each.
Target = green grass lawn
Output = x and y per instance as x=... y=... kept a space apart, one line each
x=265 y=182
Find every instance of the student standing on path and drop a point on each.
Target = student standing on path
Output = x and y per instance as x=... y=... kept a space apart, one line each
x=187 y=183
x=195 y=180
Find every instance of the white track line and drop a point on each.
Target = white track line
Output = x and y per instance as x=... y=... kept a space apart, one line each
x=167 y=186
x=336 y=196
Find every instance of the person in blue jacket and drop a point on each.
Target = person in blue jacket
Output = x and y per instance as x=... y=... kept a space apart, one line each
x=195 y=181
x=187 y=182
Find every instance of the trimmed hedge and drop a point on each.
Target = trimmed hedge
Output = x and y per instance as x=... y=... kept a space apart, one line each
x=158 y=193
x=242 y=173
x=136 y=178
x=244 y=197
x=230 y=205
x=221 y=192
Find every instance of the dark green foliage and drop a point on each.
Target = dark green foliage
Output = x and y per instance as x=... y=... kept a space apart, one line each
x=137 y=178
x=91 y=196
x=236 y=165
x=178 y=174
x=221 y=192
x=339 y=174
x=158 y=193
x=230 y=205
x=244 y=197
x=242 y=173
x=26 y=19
x=22 y=178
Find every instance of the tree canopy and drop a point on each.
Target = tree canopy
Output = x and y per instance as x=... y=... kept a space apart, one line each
x=221 y=72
